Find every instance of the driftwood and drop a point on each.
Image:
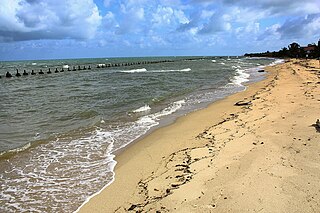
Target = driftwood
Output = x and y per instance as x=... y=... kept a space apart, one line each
x=243 y=103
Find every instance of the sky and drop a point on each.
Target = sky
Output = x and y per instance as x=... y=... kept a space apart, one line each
x=57 y=29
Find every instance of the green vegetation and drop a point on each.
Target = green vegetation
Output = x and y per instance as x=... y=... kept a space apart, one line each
x=294 y=50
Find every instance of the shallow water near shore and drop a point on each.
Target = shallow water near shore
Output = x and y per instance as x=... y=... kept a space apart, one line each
x=59 y=131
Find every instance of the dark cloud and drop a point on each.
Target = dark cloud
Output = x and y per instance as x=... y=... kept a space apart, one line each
x=271 y=7
x=300 y=27
x=294 y=28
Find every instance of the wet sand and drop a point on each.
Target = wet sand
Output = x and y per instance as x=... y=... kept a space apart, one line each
x=262 y=155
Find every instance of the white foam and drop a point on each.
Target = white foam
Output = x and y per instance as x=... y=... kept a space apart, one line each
x=16 y=150
x=135 y=70
x=214 y=61
x=236 y=67
x=142 y=109
x=185 y=70
x=240 y=77
x=170 y=109
x=182 y=70
x=278 y=61
x=155 y=71
x=145 y=123
x=222 y=63
x=101 y=65
x=34 y=63
x=52 y=166
x=110 y=169
x=65 y=66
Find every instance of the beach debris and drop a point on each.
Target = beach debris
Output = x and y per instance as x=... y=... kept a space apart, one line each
x=132 y=207
x=243 y=103
x=317 y=125
x=261 y=70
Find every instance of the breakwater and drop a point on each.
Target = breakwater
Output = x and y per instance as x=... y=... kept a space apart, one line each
x=19 y=72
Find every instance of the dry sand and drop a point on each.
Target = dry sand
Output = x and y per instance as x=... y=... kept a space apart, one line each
x=260 y=157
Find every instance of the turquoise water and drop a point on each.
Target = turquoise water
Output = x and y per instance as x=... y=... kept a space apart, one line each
x=59 y=131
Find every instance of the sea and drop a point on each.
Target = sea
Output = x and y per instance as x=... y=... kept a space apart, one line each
x=61 y=131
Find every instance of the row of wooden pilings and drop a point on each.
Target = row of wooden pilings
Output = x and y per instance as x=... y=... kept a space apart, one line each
x=131 y=63
x=82 y=67
x=98 y=66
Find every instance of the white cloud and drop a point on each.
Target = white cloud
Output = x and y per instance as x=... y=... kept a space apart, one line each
x=179 y=14
x=314 y=27
x=40 y=19
x=109 y=22
x=133 y=19
x=218 y=22
x=167 y=16
x=8 y=19
x=206 y=14
x=158 y=40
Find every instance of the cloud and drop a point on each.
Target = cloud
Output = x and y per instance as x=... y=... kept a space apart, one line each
x=217 y=23
x=109 y=20
x=40 y=19
x=132 y=20
x=278 y=7
x=168 y=16
x=271 y=31
x=301 y=27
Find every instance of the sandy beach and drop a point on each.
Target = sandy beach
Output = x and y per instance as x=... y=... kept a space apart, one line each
x=260 y=155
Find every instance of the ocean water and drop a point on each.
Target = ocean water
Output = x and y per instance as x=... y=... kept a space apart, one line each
x=59 y=132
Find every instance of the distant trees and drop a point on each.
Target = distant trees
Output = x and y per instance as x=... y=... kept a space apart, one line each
x=294 y=50
x=283 y=52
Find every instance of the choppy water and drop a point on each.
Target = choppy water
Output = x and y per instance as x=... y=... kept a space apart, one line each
x=59 y=131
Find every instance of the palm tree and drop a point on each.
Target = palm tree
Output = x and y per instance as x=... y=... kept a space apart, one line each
x=294 y=50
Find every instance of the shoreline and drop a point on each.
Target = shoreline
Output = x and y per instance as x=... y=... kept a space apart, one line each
x=191 y=145
x=171 y=121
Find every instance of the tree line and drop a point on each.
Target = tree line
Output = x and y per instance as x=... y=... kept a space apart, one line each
x=294 y=50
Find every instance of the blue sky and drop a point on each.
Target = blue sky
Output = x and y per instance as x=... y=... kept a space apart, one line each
x=49 y=29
